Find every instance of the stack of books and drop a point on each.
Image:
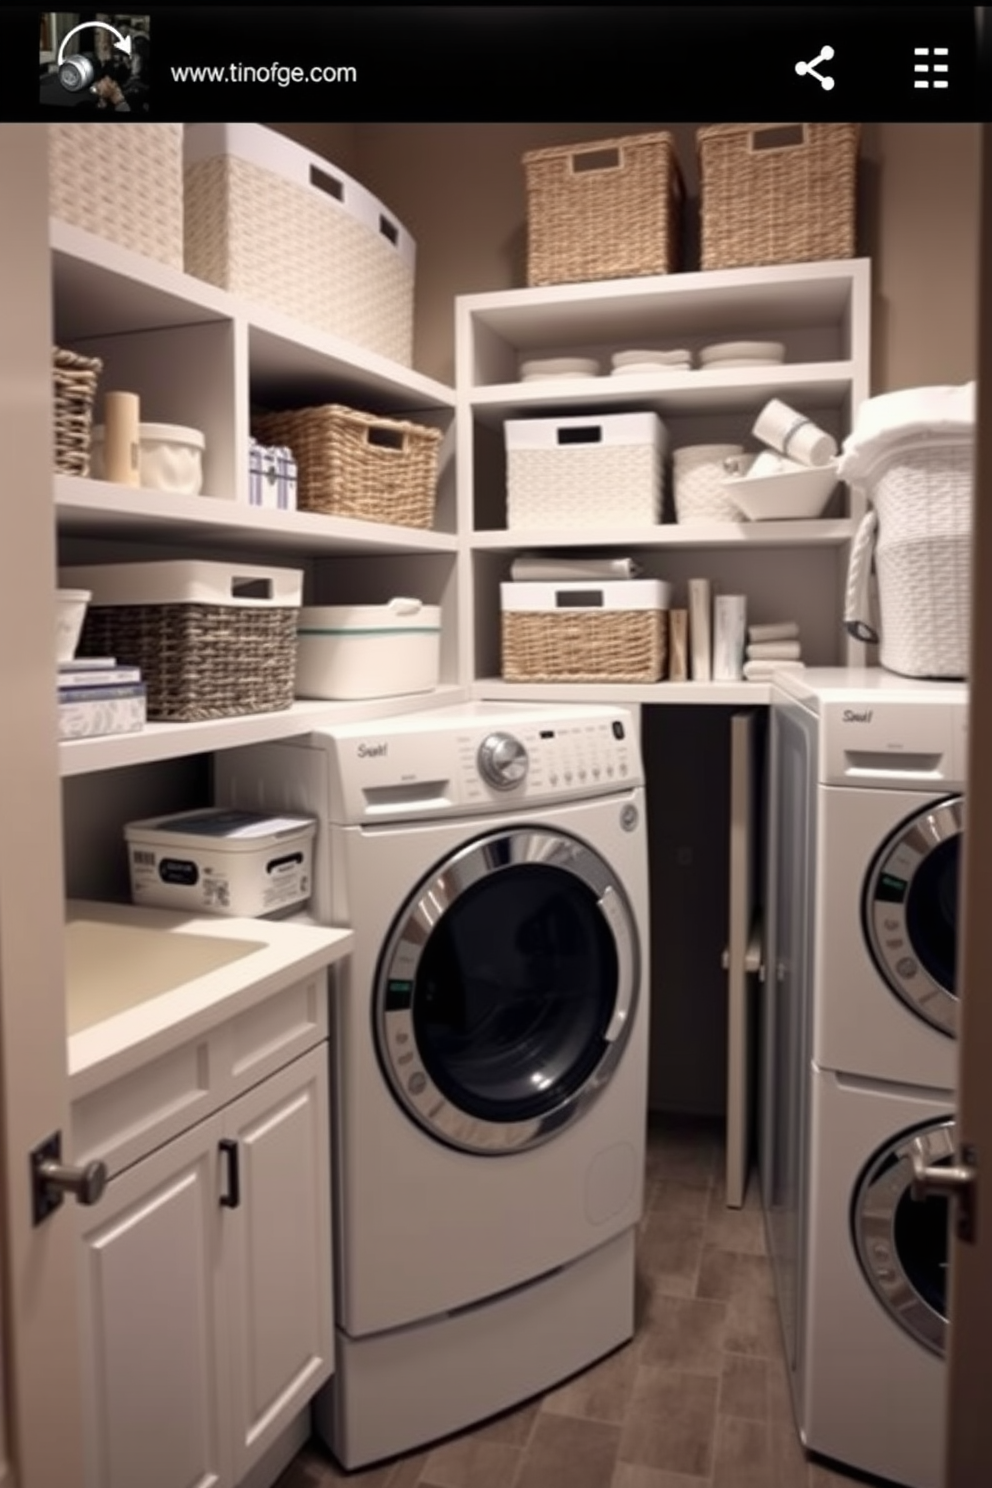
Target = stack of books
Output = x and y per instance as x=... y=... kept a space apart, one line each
x=97 y=696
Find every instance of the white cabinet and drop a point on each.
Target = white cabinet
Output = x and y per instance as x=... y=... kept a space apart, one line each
x=206 y=1290
x=788 y=570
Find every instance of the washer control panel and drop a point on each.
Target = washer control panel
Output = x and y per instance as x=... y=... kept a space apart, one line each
x=584 y=757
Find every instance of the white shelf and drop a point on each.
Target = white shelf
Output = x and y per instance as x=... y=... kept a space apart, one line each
x=669 y=535
x=737 y=390
x=720 y=694
x=97 y=508
x=163 y=741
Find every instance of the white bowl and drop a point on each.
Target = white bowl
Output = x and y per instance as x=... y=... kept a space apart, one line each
x=792 y=494
x=740 y=353
x=70 y=614
x=531 y=371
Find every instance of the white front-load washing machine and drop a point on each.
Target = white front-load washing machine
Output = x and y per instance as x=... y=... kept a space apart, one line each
x=489 y=1051
x=859 y=1012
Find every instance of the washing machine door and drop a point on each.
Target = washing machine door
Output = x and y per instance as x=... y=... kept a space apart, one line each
x=911 y=911
x=902 y=1242
x=507 y=989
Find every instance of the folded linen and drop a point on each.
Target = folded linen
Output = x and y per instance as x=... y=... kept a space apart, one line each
x=560 y=570
x=774 y=651
x=784 y=630
x=883 y=421
x=763 y=671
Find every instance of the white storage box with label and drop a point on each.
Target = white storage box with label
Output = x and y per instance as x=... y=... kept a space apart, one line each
x=585 y=632
x=277 y=224
x=585 y=471
x=365 y=651
x=213 y=640
x=220 y=861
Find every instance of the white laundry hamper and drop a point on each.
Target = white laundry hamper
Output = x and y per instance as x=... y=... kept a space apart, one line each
x=914 y=459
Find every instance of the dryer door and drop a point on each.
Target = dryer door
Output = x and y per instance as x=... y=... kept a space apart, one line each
x=911 y=911
x=507 y=989
x=902 y=1242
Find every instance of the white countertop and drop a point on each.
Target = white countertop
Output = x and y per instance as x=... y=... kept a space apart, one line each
x=141 y=981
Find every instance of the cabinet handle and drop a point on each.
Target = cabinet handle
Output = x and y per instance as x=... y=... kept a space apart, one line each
x=232 y=1198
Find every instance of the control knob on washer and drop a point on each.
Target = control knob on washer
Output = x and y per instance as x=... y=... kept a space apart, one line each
x=502 y=761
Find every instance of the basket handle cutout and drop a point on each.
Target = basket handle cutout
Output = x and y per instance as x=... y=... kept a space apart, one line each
x=251 y=588
x=779 y=137
x=389 y=230
x=578 y=599
x=584 y=434
x=596 y=160
x=329 y=184
x=387 y=439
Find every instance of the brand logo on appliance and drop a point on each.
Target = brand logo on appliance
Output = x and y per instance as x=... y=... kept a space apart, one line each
x=372 y=751
x=851 y=716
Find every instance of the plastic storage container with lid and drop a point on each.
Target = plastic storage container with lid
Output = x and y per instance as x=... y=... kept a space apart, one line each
x=368 y=651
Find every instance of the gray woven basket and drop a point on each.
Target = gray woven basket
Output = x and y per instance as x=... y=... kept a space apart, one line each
x=200 y=661
x=74 y=384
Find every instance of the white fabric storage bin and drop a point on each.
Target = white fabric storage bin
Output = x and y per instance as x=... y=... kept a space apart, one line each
x=220 y=861
x=698 y=475
x=124 y=184
x=366 y=651
x=579 y=631
x=585 y=471
x=275 y=223
x=170 y=457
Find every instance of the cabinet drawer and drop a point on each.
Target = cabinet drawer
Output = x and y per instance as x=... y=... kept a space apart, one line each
x=129 y=1117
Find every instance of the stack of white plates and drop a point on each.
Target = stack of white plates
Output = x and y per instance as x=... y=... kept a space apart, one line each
x=651 y=361
x=537 y=371
x=725 y=354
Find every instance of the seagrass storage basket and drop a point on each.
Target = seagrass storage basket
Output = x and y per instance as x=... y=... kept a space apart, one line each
x=585 y=632
x=74 y=384
x=608 y=209
x=277 y=224
x=353 y=464
x=777 y=194
x=585 y=470
x=123 y=182
x=212 y=640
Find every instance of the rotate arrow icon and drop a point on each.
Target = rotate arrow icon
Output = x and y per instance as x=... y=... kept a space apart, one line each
x=122 y=44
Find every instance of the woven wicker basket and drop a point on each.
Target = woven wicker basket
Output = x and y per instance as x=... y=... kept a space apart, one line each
x=124 y=183
x=74 y=385
x=604 y=210
x=200 y=661
x=354 y=464
x=616 y=646
x=774 y=194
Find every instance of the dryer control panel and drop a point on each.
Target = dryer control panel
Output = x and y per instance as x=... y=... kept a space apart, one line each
x=881 y=744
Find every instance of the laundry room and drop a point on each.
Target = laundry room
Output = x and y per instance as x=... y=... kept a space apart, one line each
x=485 y=831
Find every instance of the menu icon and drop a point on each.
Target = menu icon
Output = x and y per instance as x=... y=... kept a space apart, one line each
x=931 y=67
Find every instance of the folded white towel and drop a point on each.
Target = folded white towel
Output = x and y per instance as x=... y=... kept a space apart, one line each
x=785 y=630
x=763 y=671
x=883 y=421
x=561 y=570
x=775 y=651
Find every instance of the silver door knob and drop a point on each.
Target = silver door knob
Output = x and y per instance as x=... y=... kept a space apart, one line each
x=86 y=1183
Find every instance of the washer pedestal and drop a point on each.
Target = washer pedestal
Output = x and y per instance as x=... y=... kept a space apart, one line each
x=395 y=1391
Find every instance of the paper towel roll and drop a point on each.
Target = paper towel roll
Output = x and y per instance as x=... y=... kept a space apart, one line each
x=793 y=434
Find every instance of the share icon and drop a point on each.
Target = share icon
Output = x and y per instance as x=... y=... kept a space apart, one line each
x=808 y=69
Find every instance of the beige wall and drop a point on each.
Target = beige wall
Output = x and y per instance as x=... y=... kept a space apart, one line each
x=460 y=191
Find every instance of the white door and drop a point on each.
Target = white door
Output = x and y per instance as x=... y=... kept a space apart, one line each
x=970 y=1353
x=40 y=1324
x=276 y=1252
x=157 y=1402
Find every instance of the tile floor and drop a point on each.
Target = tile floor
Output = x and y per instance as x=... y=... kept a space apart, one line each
x=698 y=1399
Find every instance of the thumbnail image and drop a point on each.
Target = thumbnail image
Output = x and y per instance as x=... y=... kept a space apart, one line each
x=95 y=64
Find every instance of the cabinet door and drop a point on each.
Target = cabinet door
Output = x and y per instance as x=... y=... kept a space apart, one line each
x=157 y=1409
x=277 y=1251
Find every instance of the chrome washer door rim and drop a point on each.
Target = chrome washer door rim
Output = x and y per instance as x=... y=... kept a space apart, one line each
x=883 y=1186
x=886 y=895
x=401 y=1061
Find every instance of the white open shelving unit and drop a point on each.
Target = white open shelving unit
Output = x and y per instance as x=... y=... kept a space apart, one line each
x=201 y=357
x=788 y=570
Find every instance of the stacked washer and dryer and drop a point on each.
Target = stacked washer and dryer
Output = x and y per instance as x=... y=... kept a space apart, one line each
x=489 y=1051
x=859 y=1055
